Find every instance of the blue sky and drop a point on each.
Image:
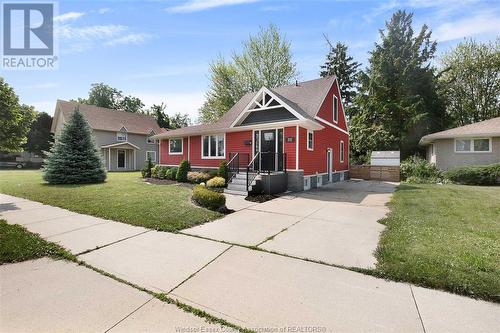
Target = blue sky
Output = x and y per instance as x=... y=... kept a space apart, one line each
x=160 y=50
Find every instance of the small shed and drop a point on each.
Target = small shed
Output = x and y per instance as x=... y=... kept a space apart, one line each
x=385 y=158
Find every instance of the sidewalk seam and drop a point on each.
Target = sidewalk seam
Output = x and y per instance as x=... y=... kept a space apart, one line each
x=131 y=313
x=117 y=241
x=418 y=310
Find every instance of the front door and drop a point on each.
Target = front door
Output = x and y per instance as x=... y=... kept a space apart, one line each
x=268 y=149
x=121 y=158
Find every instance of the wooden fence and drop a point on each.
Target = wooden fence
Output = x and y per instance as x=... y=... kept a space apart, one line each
x=374 y=172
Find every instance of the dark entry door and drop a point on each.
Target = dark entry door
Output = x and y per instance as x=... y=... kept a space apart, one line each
x=268 y=149
x=121 y=158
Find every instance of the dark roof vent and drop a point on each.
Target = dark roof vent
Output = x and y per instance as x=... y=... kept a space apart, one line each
x=296 y=83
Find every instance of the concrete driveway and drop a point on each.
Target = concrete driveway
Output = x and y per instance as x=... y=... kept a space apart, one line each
x=336 y=223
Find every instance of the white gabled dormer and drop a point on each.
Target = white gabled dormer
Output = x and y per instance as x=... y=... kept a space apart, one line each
x=149 y=139
x=121 y=136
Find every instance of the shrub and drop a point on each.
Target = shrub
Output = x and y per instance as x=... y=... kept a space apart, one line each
x=418 y=168
x=209 y=199
x=146 y=171
x=197 y=177
x=212 y=172
x=154 y=171
x=223 y=169
x=182 y=173
x=162 y=173
x=74 y=158
x=216 y=182
x=474 y=175
x=171 y=173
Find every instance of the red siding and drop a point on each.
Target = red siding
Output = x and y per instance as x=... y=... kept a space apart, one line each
x=166 y=158
x=329 y=137
x=290 y=149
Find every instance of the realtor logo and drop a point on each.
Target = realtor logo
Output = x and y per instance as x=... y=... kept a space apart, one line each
x=28 y=36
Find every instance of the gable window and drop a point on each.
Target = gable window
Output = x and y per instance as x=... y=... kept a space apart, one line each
x=175 y=146
x=476 y=145
x=213 y=146
x=310 y=140
x=152 y=155
x=335 y=109
x=121 y=136
x=342 y=151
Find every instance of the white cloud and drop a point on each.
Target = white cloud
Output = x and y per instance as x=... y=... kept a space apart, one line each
x=199 y=5
x=70 y=16
x=481 y=23
x=104 y=10
x=185 y=102
x=135 y=38
x=90 y=32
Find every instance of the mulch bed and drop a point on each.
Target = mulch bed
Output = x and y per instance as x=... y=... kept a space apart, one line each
x=260 y=198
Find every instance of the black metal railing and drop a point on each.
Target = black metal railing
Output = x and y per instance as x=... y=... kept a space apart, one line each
x=237 y=162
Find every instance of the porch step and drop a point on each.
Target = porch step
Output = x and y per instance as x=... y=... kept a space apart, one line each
x=235 y=192
x=239 y=181
x=237 y=187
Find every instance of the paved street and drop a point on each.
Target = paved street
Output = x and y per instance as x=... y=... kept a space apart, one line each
x=246 y=287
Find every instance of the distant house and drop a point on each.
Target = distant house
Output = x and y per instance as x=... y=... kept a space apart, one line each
x=293 y=137
x=474 y=144
x=124 y=138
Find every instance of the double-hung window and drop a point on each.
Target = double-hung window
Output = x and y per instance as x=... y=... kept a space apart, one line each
x=335 y=109
x=476 y=145
x=213 y=146
x=175 y=146
x=342 y=151
x=310 y=140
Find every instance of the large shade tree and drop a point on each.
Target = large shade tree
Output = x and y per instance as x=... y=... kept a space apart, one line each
x=105 y=96
x=470 y=81
x=74 y=159
x=39 y=136
x=266 y=60
x=398 y=100
x=15 y=119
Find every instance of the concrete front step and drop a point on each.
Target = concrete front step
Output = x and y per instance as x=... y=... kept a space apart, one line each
x=228 y=191
x=237 y=187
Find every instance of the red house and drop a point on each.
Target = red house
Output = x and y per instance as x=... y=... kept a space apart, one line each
x=293 y=138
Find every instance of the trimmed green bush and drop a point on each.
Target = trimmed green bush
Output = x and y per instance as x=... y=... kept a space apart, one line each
x=197 y=177
x=216 y=182
x=75 y=158
x=146 y=171
x=163 y=172
x=171 y=174
x=182 y=172
x=208 y=199
x=212 y=172
x=223 y=169
x=418 y=168
x=154 y=171
x=474 y=175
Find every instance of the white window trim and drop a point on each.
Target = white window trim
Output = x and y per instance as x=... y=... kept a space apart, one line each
x=182 y=146
x=472 y=151
x=126 y=136
x=307 y=143
x=335 y=103
x=124 y=159
x=342 y=151
x=154 y=154
x=216 y=147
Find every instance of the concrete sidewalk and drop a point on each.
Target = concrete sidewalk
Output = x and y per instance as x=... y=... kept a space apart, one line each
x=246 y=287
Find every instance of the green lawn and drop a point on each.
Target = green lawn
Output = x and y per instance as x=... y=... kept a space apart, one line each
x=123 y=197
x=18 y=244
x=444 y=236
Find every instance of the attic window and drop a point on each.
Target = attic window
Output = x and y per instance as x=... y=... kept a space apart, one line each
x=149 y=139
x=121 y=136
x=335 y=109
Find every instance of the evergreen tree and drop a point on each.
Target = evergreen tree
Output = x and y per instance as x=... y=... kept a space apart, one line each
x=74 y=159
x=158 y=111
x=398 y=92
x=340 y=64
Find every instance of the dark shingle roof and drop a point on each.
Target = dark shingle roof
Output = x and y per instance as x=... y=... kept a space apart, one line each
x=490 y=127
x=305 y=98
x=111 y=120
